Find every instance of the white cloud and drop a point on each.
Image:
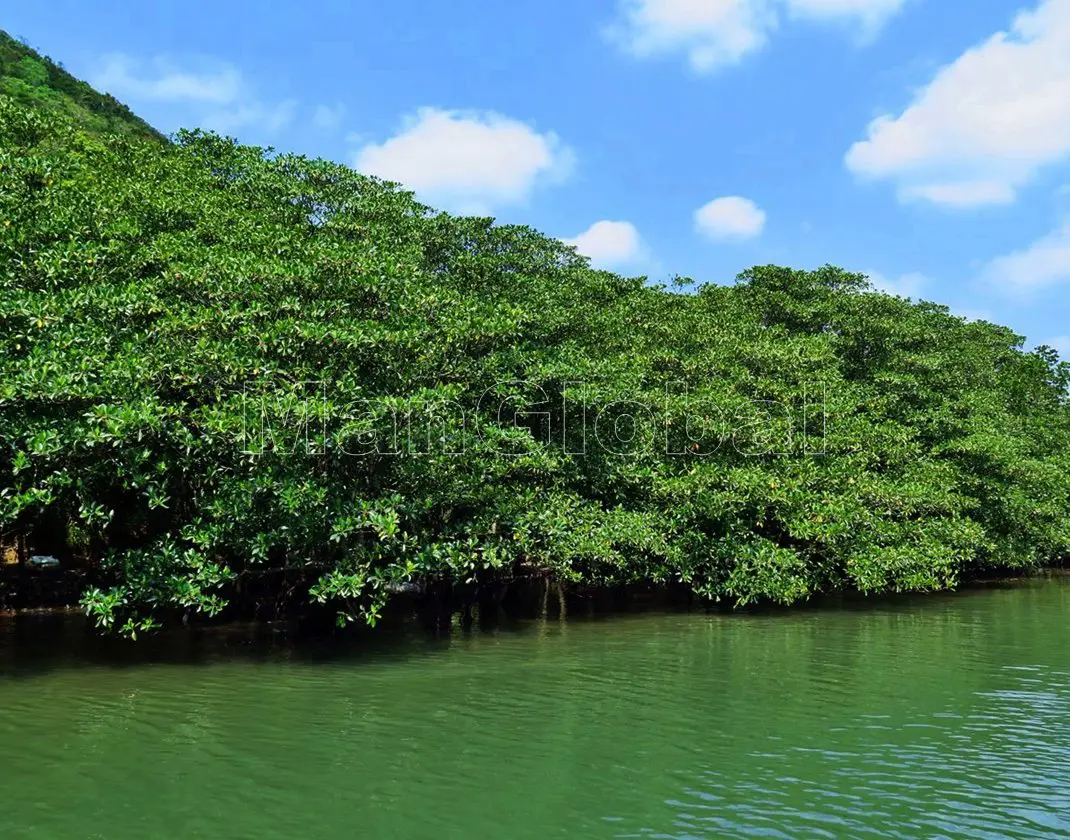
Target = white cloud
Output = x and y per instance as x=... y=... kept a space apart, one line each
x=220 y=96
x=962 y=194
x=466 y=161
x=1044 y=263
x=913 y=285
x=327 y=117
x=730 y=217
x=609 y=243
x=714 y=33
x=908 y=285
x=870 y=13
x=986 y=123
x=120 y=76
x=270 y=118
x=711 y=32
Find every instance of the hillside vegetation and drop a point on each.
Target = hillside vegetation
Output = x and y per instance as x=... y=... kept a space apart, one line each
x=37 y=82
x=225 y=372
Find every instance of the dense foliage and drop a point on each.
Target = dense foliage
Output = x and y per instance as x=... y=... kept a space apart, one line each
x=38 y=82
x=209 y=354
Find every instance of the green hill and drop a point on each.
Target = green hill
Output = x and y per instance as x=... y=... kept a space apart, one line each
x=38 y=82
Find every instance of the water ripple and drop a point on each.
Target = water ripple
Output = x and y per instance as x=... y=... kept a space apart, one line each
x=927 y=718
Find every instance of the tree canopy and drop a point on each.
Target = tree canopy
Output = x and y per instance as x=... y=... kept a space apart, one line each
x=221 y=364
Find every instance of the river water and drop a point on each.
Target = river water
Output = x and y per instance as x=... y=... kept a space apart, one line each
x=939 y=716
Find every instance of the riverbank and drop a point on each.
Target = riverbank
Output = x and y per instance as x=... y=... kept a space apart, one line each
x=443 y=610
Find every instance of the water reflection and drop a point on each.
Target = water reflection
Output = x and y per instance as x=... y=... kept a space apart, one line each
x=944 y=716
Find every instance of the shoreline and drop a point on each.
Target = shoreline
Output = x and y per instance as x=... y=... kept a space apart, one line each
x=522 y=597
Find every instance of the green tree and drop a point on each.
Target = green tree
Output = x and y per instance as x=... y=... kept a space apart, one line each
x=203 y=341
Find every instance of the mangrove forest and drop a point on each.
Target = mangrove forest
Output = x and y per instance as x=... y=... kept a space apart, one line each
x=238 y=381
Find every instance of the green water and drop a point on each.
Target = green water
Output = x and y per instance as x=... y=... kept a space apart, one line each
x=943 y=716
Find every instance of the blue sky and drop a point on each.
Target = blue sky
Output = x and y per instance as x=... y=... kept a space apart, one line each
x=924 y=142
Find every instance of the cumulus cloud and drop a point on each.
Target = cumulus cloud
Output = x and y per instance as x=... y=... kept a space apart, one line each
x=986 y=123
x=730 y=217
x=469 y=162
x=219 y=95
x=909 y=285
x=714 y=33
x=913 y=285
x=1044 y=263
x=710 y=32
x=870 y=13
x=270 y=118
x=121 y=76
x=609 y=244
